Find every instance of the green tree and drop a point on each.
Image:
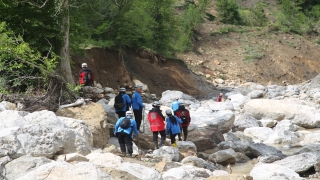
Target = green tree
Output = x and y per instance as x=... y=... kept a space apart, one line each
x=21 y=66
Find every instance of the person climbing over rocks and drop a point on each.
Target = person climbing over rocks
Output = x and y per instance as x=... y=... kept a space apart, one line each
x=219 y=99
x=184 y=115
x=86 y=76
x=172 y=127
x=122 y=103
x=123 y=130
x=175 y=105
x=156 y=120
x=137 y=105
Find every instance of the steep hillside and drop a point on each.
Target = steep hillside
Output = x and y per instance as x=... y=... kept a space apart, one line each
x=258 y=54
x=111 y=70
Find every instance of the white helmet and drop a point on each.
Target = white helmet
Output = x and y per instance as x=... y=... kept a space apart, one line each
x=168 y=112
x=156 y=103
x=138 y=86
x=129 y=113
x=84 y=65
x=123 y=89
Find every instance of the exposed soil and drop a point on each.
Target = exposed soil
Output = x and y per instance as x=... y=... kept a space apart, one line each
x=112 y=70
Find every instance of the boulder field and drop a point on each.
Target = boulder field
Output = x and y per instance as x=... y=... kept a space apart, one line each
x=254 y=125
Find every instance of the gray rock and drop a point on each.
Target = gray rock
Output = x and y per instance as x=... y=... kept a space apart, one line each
x=286 y=125
x=268 y=158
x=245 y=121
x=309 y=148
x=198 y=162
x=185 y=146
x=273 y=172
x=257 y=149
x=205 y=138
x=268 y=123
x=223 y=157
x=258 y=134
x=23 y=165
x=300 y=162
x=256 y=94
x=166 y=152
x=66 y=171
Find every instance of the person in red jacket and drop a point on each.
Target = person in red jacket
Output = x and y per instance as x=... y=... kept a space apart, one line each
x=86 y=77
x=184 y=115
x=156 y=120
x=219 y=99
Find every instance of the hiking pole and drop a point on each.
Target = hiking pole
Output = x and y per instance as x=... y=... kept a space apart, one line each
x=143 y=120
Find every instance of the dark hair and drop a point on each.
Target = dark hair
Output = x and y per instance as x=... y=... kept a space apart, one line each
x=173 y=120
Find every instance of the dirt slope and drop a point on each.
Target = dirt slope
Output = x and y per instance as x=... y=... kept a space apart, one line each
x=111 y=71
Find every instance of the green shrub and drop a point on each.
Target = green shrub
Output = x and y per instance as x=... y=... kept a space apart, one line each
x=228 y=11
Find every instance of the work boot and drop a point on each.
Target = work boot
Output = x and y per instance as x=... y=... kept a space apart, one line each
x=130 y=155
x=123 y=154
x=175 y=145
x=185 y=138
x=156 y=146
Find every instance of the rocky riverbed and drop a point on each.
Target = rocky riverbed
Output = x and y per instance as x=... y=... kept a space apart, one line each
x=257 y=132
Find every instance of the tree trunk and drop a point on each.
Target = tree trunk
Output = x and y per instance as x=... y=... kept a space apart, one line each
x=64 y=52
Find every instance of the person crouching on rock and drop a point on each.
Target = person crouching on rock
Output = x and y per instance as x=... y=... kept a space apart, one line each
x=156 y=120
x=219 y=99
x=184 y=115
x=172 y=127
x=124 y=129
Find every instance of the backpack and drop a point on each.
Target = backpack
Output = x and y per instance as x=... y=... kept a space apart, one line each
x=118 y=102
x=125 y=123
x=183 y=117
x=87 y=78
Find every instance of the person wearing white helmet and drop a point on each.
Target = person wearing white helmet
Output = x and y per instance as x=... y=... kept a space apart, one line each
x=173 y=126
x=122 y=103
x=137 y=105
x=156 y=120
x=86 y=76
x=124 y=130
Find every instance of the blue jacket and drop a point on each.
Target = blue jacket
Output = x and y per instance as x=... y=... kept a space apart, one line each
x=133 y=127
x=126 y=101
x=137 y=101
x=173 y=128
x=175 y=105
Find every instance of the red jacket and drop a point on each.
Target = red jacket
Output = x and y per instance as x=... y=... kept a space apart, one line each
x=182 y=111
x=156 y=120
x=82 y=74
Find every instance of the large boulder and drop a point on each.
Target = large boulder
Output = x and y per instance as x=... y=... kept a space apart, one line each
x=21 y=166
x=285 y=125
x=300 y=115
x=283 y=137
x=166 y=152
x=223 y=157
x=238 y=100
x=245 y=121
x=202 y=117
x=96 y=118
x=300 y=163
x=205 y=138
x=169 y=96
x=258 y=134
x=65 y=171
x=42 y=133
x=112 y=117
x=273 y=172
x=256 y=94
x=187 y=172
x=198 y=162
x=311 y=138
x=257 y=149
x=217 y=106
x=186 y=146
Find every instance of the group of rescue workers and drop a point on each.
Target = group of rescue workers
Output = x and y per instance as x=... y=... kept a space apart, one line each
x=177 y=120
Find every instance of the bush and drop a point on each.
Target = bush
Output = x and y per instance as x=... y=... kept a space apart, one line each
x=228 y=11
x=254 y=16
